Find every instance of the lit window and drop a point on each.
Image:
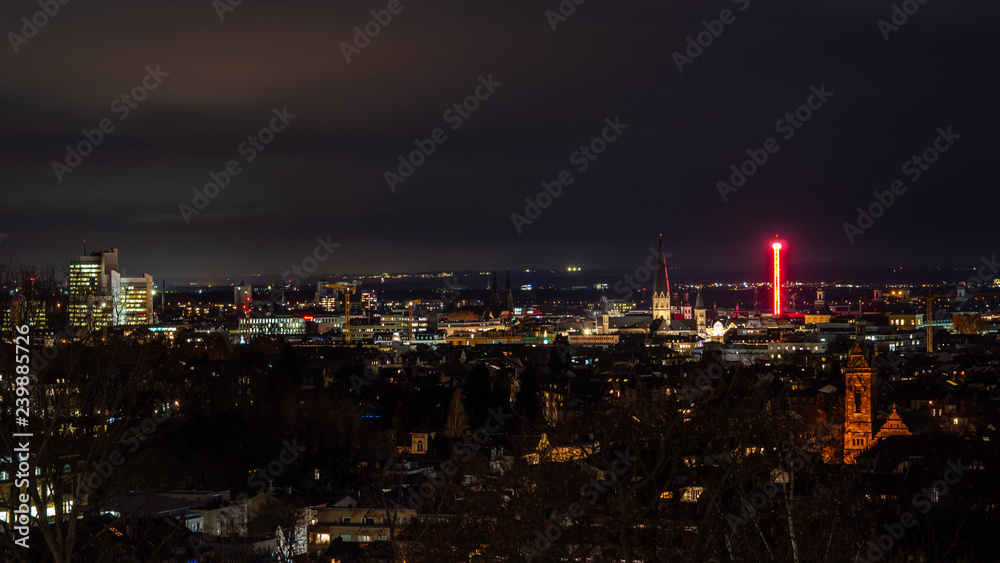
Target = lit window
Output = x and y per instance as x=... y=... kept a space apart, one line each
x=691 y=494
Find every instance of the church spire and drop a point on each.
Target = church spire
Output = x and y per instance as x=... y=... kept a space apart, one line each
x=661 y=287
x=508 y=294
x=700 y=313
x=495 y=305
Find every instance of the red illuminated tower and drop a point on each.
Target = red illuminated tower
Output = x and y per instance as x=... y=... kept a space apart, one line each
x=777 y=278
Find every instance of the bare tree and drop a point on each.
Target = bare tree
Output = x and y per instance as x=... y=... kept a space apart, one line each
x=88 y=407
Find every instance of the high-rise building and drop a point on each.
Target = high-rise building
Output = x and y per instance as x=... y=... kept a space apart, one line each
x=369 y=301
x=329 y=294
x=99 y=296
x=134 y=301
x=242 y=294
x=90 y=288
x=24 y=310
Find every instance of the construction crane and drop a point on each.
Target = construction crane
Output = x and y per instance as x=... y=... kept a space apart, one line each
x=929 y=319
x=347 y=289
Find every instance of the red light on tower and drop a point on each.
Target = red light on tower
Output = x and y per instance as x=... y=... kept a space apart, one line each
x=777 y=278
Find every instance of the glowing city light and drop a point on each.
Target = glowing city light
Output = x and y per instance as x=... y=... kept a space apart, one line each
x=777 y=278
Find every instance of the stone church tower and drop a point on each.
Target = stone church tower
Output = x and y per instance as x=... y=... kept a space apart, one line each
x=661 y=288
x=860 y=431
x=859 y=404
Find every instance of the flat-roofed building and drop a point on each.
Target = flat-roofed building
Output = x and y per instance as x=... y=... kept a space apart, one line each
x=90 y=289
x=272 y=326
x=356 y=524
x=134 y=302
x=99 y=296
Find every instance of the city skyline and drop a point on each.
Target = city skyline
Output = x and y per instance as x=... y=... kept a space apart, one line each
x=808 y=272
x=430 y=282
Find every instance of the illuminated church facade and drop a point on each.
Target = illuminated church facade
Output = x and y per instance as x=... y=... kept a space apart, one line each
x=860 y=400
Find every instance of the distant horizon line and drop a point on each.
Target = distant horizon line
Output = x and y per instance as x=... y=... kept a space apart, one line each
x=700 y=270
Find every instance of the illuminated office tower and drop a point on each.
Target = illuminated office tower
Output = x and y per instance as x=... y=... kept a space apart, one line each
x=369 y=301
x=99 y=296
x=90 y=289
x=24 y=309
x=134 y=301
x=327 y=296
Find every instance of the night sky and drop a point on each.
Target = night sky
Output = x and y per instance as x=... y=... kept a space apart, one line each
x=323 y=175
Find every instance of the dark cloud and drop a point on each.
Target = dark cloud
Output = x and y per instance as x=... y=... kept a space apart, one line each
x=323 y=175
